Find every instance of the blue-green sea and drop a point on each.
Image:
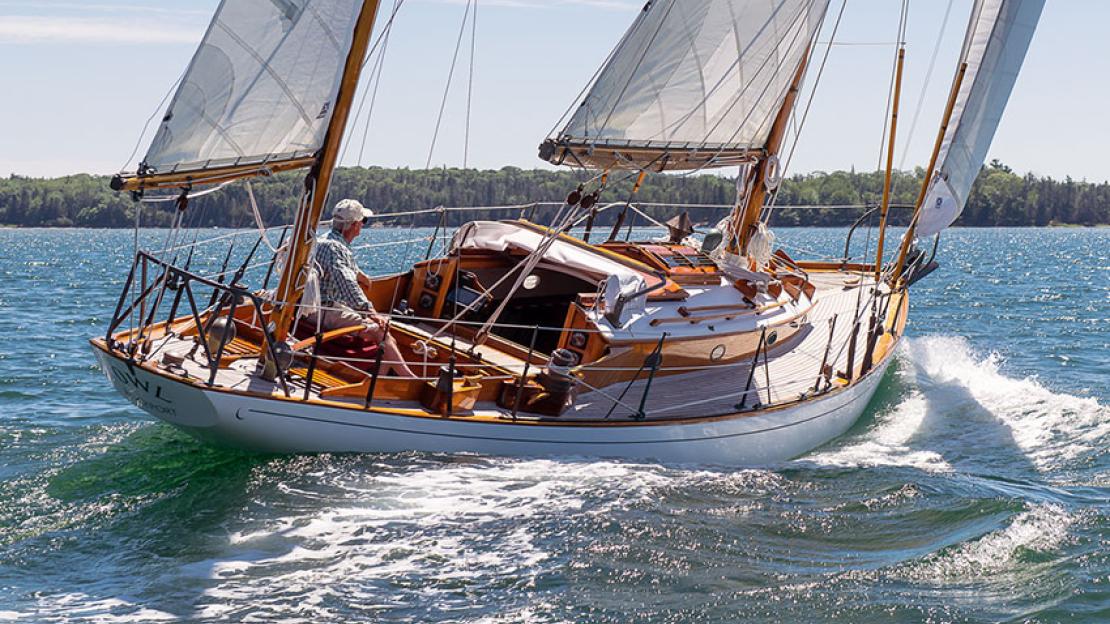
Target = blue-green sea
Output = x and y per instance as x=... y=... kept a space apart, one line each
x=976 y=488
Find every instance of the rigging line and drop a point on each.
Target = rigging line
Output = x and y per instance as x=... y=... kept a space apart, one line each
x=636 y=67
x=767 y=117
x=563 y=222
x=809 y=104
x=470 y=83
x=383 y=40
x=172 y=198
x=258 y=218
x=593 y=78
x=379 y=41
x=797 y=18
x=925 y=87
x=447 y=88
x=901 y=40
x=376 y=79
x=860 y=43
x=146 y=126
x=779 y=66
x=265 y=65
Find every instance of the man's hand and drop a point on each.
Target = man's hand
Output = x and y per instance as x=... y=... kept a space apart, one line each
x=375 y=325
x=380 y=319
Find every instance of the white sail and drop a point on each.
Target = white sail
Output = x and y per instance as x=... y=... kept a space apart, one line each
x=997 y=40
x=706 y=75
x=260 y=88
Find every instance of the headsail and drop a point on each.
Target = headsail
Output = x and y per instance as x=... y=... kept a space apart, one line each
x=260 y=90
x=694 y=83
x=997 y=40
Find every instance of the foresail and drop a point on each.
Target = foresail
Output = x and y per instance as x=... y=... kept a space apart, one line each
x=998 y=38
x=260 y=89
x=694 y=83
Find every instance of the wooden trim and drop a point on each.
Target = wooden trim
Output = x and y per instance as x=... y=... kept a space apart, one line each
x=499 y=420
x=686 y=311
x=328 y=337
x=742 y=222
x=889 y=161
x=694 y=320
x=947 y=119
x=217 y=175
x=658 y=159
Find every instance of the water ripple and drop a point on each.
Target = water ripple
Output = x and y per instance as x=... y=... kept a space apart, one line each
x=977 y=487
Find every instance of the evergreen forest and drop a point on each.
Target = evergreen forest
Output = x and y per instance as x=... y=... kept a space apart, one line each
x=1000 y=197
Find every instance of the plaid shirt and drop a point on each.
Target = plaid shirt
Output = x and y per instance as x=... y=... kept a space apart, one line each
x=339 y=273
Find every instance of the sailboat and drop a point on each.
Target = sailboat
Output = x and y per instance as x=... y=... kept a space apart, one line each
x=551 y=338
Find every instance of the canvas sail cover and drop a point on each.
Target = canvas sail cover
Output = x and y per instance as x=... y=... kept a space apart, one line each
x=997 y=40
x=260 y=88
x=692 y=75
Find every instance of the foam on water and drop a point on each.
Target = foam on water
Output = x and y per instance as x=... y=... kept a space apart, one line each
x=82 y=607
x=1042 y=529
x=889 y=442
x=960 y=408
x=451 y=525
x=968 y=492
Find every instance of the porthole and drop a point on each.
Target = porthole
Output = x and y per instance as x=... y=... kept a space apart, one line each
x=717 y=353
x=578 y=340
x=772 y=338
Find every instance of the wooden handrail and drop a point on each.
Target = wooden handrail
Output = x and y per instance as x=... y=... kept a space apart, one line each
x=328 y=337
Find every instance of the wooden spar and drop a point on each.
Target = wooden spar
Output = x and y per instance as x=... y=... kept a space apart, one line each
x=889 y=161
x=214 y=175
x=741 y=227
x=615 y=232
x=319 y=179
x=948 y=110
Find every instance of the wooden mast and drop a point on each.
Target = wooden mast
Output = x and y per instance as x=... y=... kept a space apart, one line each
x=319 y=178
x=889 y=162
x=741 y=228
x=909 y=236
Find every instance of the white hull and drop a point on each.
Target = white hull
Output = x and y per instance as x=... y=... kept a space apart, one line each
x=282 y=426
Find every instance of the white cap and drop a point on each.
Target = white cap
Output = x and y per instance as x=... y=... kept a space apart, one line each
x=350 y=211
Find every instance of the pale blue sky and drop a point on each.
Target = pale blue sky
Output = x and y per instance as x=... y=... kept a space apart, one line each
x=81 y=77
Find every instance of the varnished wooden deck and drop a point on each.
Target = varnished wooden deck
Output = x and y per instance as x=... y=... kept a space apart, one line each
x=790 y=373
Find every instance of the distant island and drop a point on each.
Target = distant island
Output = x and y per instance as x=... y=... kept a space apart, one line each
x=1000 y=197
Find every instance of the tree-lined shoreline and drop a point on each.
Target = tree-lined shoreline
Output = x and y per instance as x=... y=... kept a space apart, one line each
x=1000 y=197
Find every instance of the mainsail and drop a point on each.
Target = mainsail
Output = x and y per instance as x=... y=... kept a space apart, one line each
x=693 y=83
x=997 y=40
x=260 y=90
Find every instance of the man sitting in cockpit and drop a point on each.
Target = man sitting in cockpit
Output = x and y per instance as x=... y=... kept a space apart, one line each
x=342 y=301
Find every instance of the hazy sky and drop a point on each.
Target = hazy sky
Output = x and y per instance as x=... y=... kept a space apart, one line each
x=81 y=77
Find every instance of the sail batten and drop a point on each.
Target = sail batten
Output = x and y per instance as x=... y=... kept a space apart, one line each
x=693 y=83
x=998 y=37
x=261 y=88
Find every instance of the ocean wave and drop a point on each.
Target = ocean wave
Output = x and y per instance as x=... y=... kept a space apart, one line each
x=960 y=409
x=1037 y=533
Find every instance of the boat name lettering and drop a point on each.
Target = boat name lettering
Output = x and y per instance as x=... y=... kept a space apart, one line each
x=138 y=392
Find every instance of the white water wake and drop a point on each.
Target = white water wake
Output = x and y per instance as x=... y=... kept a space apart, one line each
x=1039 y=532
x=959 y=408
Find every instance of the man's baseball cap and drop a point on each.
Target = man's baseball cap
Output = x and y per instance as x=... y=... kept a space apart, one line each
x=349 y=211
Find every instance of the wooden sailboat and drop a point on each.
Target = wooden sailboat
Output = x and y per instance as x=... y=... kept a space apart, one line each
x=529 y=339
